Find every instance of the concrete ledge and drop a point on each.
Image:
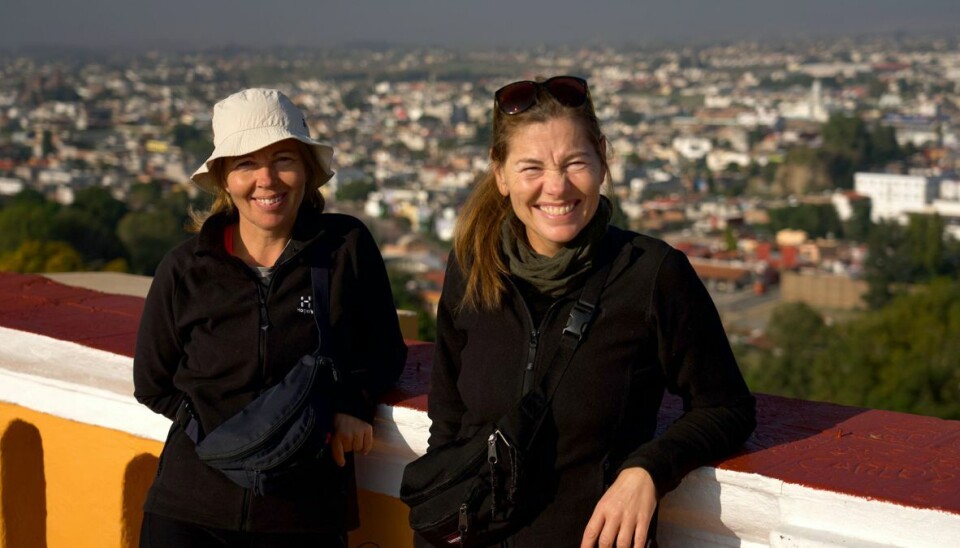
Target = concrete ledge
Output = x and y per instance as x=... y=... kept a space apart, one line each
x=813 y=474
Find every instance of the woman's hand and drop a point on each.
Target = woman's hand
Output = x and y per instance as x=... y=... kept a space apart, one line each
x=350 y=434
x=623 y=514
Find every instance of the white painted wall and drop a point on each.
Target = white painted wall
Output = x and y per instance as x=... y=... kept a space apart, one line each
x=712 y=507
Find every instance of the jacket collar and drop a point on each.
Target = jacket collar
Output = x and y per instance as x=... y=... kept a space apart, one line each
x=307 y=228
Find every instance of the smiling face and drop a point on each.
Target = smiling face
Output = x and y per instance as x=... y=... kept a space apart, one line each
x=267 y=188
x=552 y=174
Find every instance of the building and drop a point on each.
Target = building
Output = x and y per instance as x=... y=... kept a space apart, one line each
x=893 y=195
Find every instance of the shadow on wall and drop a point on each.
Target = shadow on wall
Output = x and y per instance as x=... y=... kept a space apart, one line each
x=23 y=500
x=136 y=481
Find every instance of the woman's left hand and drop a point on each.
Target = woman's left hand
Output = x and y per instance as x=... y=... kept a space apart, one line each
x=350 y=434
x=623 y=514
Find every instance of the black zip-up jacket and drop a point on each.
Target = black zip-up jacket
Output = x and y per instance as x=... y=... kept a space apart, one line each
x=212 y=332
x=604 y=412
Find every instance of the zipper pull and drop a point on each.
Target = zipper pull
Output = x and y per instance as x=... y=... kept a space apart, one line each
x=463 y=524
x=492 y=449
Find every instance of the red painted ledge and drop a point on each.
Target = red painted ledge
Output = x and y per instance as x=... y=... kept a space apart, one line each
x=905 y=459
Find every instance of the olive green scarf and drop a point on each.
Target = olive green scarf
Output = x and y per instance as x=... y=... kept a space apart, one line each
x=554 y=276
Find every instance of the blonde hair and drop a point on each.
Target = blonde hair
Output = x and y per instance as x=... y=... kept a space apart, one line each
x=223 y=203
x=477 y=238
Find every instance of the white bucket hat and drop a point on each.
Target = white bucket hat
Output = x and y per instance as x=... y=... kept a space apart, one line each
x=253 y=119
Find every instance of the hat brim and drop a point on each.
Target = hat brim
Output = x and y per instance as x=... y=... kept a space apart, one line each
x=245 y=142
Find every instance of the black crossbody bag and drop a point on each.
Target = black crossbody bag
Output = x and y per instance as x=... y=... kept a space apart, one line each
x=277 y=440
x=475 y=491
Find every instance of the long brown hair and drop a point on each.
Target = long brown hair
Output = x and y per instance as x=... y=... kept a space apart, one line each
x=477 y=240
x=222 y=201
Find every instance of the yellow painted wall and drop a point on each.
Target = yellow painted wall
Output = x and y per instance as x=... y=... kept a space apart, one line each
x=76 y=497
x=83 y=468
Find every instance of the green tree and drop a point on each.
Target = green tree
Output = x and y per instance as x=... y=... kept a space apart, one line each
x=23 y=220
x=817 y=220
x=799 y=336
x=38 y=256
x=148 y=236
x=100 y=204
x=858 y=226
x=888 y=266
x=355 y=191
x=95 y=240
x=883 y=146
x=905 y=357
x=925 y=245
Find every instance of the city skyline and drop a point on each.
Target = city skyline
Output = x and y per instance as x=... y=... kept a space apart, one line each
x=178 y=24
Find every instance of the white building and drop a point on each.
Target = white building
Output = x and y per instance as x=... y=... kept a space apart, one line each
x=893 y=195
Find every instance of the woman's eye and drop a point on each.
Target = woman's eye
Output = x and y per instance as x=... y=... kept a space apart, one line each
x=242 y=164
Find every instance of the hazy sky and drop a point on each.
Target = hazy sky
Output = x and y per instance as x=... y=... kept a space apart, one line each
x=211 y=23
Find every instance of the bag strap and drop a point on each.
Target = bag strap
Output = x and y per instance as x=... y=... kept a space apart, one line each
x=524 y=419
x=320 y=280
x=578 y=323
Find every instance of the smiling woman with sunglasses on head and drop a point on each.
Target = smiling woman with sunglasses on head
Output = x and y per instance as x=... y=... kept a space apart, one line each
x=533 y=234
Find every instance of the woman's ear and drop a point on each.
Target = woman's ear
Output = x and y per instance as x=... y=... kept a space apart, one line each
x=501 y=180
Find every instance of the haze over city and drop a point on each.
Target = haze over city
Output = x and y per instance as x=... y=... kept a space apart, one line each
x=182 y=24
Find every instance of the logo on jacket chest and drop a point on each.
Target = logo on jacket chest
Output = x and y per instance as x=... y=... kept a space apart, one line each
x=306 y=305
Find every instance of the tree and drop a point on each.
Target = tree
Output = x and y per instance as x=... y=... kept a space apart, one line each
x=817 y=220
x=99 y=204
x=903 y=357
x=93 y=239
x=37 y=256
x=888 y=265
x=799 y=335
x=925 y=245
x=25 y=220
x=898 y=256
x=858 y=226
x=355 y=190
x=148 y=236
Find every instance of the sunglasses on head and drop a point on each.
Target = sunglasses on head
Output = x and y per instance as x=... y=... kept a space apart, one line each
x=518 y=97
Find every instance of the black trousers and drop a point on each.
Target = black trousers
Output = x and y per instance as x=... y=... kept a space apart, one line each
x=160 y=532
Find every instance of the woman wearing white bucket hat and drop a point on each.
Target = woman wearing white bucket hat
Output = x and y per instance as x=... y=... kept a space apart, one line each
x=229 y=314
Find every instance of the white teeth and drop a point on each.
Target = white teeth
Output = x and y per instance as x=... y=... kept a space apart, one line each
x=269 y=201
x=557 y=210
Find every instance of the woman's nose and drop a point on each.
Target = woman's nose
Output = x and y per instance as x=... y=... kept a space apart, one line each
x=265 y=175
x=555 y=182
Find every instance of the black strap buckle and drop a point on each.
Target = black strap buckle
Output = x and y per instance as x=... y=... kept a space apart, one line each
x=580 y=317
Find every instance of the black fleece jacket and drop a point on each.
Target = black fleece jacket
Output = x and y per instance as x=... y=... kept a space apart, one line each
x=210 y=331
x=656 y=329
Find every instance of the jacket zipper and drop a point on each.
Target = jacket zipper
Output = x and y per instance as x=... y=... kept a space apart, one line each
x=264 y=324
x=534 y=341
x=262 y=294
